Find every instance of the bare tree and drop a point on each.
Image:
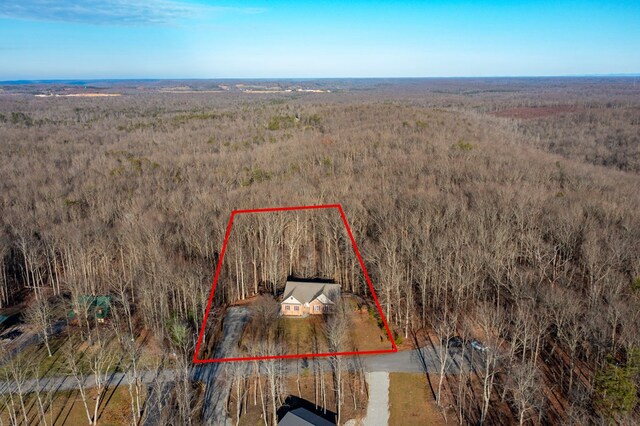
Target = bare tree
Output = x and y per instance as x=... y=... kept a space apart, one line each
x=96 y=362
x=5 y=291
x=40 y=315
x=258 y=387
x=447 y=201
x=445 y=327
x=182 y=341
x=525 y=389
x=271 y=369
x=16 y=374
x=34 y=372
x=493 y=323
x=336 y=328
x=237 y=373
x=264 y=315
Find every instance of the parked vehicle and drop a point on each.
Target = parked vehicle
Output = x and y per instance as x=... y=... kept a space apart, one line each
x=11 y=335
x=478 y=345
x=454 y=342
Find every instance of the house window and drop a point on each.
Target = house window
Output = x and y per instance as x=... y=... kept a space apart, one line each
x=316 y=308
x=287 y=307
x=296 y=308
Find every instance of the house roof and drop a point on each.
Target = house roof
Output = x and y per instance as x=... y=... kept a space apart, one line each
x=302 y=417
x=100 y=305
x=103 y=306
x=305 y=292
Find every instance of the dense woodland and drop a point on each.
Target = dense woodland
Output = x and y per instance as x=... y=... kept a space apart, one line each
x=504 y=210
x=266 y=248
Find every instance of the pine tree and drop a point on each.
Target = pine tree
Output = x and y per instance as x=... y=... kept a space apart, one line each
x=616 y=390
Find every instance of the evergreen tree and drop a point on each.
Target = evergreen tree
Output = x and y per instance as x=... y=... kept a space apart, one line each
x=616 y=390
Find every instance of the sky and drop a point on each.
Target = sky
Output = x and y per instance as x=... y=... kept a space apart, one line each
x=95 y=39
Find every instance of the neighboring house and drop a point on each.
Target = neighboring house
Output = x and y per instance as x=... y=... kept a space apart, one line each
x=303 y=298
x=9 y=317
x=96 y=306
x=302 y=417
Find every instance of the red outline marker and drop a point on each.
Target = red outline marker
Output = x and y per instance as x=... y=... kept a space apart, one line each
x=290 y=356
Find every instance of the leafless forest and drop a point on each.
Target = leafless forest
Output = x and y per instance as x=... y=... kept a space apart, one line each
x=505 y=210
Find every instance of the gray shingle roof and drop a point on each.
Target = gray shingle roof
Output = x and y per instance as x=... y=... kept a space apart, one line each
x=302 y=417
x=305 y=292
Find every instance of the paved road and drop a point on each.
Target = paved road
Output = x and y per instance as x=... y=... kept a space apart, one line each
x=65 y=383
x=414 y=361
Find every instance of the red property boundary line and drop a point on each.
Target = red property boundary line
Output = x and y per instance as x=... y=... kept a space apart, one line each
x=289 y=356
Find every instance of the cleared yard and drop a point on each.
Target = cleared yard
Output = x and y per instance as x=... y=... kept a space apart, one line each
x=67 y=408
x=306 y=335
x=366 y=334
x=304 y=394
x=42 y=365
x=303 y=335
x=411 y=402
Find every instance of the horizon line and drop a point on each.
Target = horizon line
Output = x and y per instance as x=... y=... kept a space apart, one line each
x=98 y=79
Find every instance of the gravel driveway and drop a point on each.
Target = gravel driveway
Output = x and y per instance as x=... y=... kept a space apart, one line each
x=217 y=389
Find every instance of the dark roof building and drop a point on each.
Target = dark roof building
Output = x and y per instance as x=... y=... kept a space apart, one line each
x=302 y=417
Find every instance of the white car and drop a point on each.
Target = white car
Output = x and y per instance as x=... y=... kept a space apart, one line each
x=478 y=346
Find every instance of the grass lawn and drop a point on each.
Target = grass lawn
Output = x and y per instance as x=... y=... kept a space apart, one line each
x=307 y=335
x=366 y=335
x=411 y=402
x=56 y=365
x=303 y=335
x=67 y=408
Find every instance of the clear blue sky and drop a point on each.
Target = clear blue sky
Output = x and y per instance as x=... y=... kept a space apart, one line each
x=50 y=39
